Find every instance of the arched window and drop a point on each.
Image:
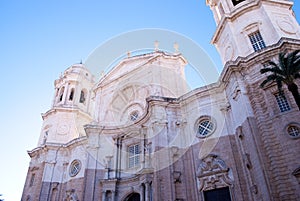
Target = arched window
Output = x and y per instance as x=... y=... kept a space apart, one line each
x=236 y=2
x=82 y=96
x=61 y=94
x=54 y=194
x=32 y=180
x=57 y=90
x=108 y=196
x=71 y=96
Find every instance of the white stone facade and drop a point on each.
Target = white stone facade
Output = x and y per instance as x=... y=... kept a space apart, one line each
x=139 y=134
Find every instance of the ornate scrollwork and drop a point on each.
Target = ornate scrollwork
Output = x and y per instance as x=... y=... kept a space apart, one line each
x=213 y=173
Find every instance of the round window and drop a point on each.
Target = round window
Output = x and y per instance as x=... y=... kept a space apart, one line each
x=134 y=115
x=74 y=168
x=205 y=127
x=293 y=131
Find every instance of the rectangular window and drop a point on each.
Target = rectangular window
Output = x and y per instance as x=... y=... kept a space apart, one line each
x=219 y=194
x=282 y=103
x=257 y=41
x=134 y=155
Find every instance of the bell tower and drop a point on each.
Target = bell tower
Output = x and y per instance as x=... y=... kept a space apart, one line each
x=247 y=26
x=71 y=107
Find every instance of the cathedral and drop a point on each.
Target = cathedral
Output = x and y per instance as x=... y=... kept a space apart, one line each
x=139 y=134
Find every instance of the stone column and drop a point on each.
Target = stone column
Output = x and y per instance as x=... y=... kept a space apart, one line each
x=116 y=153
x=147 y=191
x=103 y=195
x=63 y=175
x=47 y=179
x=113 y=197
x=121 y=151
x=143 y=146
x=64 y=98
x=56 y=94
x=142 y=193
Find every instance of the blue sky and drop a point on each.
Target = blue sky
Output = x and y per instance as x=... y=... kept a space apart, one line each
x=40 y=39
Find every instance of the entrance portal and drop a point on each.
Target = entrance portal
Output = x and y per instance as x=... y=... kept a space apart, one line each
x=133 y=197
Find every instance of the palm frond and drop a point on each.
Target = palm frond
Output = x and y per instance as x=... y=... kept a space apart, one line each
x=285 y=71
x=297 y=76
x=272 y=63
x=272 y=70
x=295 y=67
x=271 y=78
x=297 y=62
x=290 y=61
x=277 y=68
x=279 y=86
x=293 y=54
x=282 y=61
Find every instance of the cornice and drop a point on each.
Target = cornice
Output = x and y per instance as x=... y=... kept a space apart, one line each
x=257 y=57
x=93 y=128
x=201 y=92
x=152 y=101
x=65 y=109
x=118 y=130
x=55 y=146
x=139 y=124
x=64 y=80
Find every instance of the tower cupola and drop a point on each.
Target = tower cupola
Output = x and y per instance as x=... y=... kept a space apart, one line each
x=71 y=109
x=73 y=88
x=247 y=26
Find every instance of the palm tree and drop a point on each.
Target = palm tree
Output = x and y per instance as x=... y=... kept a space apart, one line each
x=286 y=71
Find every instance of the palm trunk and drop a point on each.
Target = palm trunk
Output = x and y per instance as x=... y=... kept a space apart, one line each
x=293 y=88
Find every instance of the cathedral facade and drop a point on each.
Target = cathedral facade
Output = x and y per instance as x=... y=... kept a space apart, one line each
x=138 y=133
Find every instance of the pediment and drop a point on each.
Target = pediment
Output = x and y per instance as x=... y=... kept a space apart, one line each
x=130 y=65
x=125 y=67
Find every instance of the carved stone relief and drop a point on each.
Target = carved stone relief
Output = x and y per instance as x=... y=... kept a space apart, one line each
x=213 y=173
x=285 y=23
x=63 y=128
x=71 y=195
